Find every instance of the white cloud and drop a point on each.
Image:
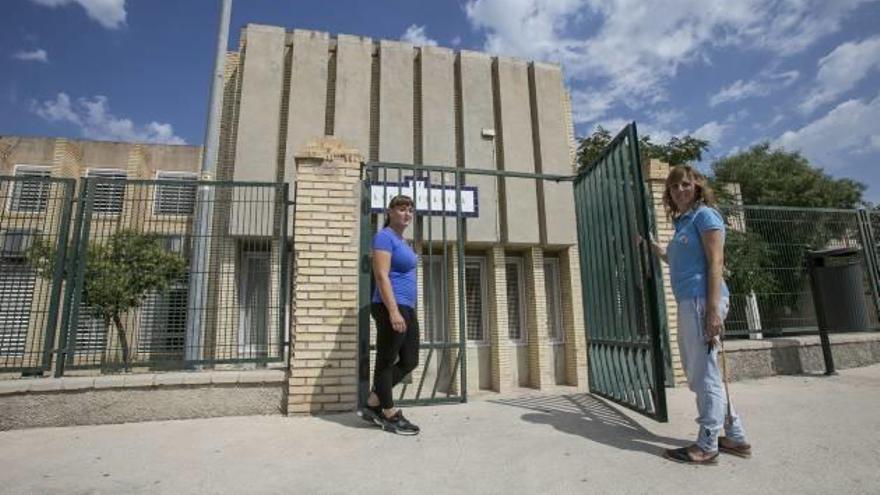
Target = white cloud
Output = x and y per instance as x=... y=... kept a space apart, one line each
x=417 y=36
x=95 y=121
x=666 y=117
x=38 y=55
x=711 y=131
x=761 y=85
x=527 y=28
x=841 y=70
x=588 y=105
x=109 y=13
x=850 y=129
x=634 y=48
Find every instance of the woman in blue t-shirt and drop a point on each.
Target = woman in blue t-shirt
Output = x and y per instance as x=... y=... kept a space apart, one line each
x=393 y=309
x=696 y=260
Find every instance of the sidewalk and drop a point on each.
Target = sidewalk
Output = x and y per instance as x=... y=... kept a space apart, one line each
x=812 y=434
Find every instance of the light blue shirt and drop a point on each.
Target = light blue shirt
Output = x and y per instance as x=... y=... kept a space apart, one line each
x=403 y=267
x=688 y=267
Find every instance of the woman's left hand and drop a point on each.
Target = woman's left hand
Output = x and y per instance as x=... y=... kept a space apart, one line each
x=713 y=326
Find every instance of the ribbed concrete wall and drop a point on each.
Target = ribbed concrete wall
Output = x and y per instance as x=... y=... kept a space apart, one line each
x=260 y=108
x=553 y=152
x=438 y=123
x=399 y=103
x=477 y=114
x=520 y=195
x=308 y=93
x=354 y=56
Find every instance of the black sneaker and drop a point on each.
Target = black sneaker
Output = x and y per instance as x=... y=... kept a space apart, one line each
x=373 y=415
x=400 y=425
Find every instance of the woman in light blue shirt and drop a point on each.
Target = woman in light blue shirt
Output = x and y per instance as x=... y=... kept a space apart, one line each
x=696 y=261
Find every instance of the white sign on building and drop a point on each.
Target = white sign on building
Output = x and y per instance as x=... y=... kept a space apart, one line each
x=429 y=199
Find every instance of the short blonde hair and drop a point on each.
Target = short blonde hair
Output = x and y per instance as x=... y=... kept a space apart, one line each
x=703 y=194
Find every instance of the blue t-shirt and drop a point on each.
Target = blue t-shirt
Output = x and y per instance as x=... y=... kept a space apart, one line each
x=403 y=267
x=688 y=268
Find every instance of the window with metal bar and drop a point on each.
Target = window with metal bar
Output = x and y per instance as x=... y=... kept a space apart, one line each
x=109 y=196
x=162 y=328
x=30 y=196
x=515 y=306
x=91 y=332
x=172 y=199
x=553 y=295
x=15 y=243
x=254 y=304
x=475 y=297
x=435 y=300
x=17 y=281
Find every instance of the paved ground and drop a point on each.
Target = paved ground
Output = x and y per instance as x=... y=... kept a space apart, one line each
x=812 y=435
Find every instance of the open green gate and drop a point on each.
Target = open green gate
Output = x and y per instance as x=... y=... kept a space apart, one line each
x=622 y=288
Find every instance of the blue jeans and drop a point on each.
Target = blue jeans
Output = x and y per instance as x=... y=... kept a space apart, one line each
x=704 y=375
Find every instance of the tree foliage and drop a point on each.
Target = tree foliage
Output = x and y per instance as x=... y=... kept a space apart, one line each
x=782 y=178
x=676 y=151
x=118 y=275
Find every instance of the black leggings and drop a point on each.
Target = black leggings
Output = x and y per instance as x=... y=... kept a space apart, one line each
x=393 y=346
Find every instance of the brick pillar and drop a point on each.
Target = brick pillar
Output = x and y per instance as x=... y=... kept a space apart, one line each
x=540 y=359
x=502 y=379
x=323 y=366
x=657 y=172
x=573 y=318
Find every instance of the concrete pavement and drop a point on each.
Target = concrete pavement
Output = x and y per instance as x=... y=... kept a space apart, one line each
x=812 y=434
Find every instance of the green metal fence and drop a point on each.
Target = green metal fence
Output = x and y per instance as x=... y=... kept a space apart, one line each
x=135 y=254
x=622 y=301
x=766 y=264
x=453 y=300
x=120 y=277
x=34 y=210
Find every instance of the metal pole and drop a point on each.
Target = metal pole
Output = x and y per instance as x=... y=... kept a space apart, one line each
x=204 y=211
x=816 y=266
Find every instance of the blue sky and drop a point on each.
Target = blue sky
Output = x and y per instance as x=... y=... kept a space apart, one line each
x=802 y=74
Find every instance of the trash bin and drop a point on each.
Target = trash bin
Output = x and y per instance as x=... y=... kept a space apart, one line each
x=838 y=284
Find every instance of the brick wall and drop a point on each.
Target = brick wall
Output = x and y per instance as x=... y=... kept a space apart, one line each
x=323 y=375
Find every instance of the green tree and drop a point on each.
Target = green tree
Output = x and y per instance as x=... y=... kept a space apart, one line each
x=771 y=256
x=676 y=151
x=118 y=275
x=748 y=263
x=782 y=178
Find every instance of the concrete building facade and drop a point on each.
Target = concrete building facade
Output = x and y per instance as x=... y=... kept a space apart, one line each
x=293 y=97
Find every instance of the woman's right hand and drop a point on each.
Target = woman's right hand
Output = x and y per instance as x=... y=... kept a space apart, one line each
x=397 y=321
x=653 y=244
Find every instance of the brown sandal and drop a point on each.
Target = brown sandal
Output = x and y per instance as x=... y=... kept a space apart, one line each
x=727 y=446
x=683 y=455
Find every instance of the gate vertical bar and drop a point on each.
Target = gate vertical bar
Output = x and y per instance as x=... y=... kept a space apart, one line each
x=283 y=252
x=75 y=272
x=462 y=322
x=364 y=273
x=58 y=272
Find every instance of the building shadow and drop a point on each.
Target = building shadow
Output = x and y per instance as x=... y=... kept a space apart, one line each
x=589 y=417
